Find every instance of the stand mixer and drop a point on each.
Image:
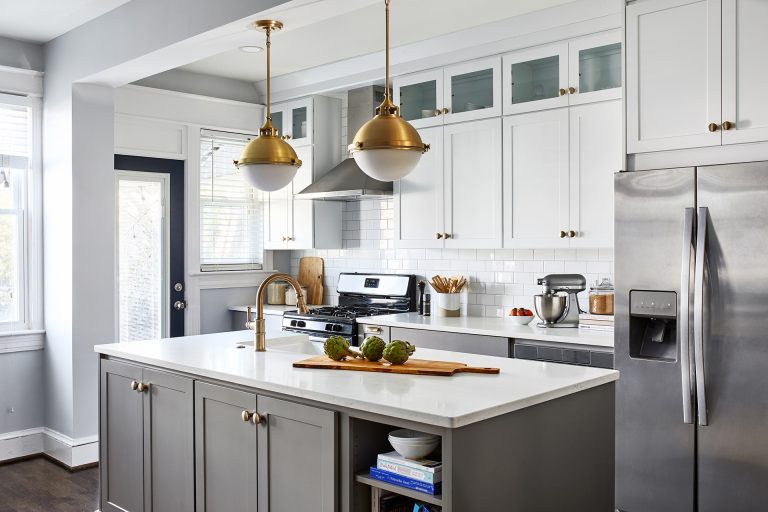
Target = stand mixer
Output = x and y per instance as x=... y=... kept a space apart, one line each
x=555 y=309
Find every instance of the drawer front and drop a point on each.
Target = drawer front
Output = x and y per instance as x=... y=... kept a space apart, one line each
x=581 y=357
x=440 y=340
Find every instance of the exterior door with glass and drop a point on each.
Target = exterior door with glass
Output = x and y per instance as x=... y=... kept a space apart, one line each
x=150 y=247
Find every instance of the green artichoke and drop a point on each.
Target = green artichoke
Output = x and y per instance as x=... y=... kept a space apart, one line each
x=398 y=351
x=372 y=348
x=337 y=348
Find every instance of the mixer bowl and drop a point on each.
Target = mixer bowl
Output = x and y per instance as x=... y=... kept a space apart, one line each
x=549 y=307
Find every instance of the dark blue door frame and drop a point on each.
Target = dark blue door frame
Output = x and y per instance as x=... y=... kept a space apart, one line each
x=175 y=170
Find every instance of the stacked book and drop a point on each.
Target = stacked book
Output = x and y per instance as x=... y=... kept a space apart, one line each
x=596 y=322
x=420 y=475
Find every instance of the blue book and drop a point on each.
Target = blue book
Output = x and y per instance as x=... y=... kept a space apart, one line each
x=401 y=481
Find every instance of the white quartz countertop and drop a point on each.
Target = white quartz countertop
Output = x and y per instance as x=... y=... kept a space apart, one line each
x=442 y=401
x=493 y=326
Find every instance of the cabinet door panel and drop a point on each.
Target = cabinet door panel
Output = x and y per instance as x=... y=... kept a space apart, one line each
x=169 y=479
x=533 y=79
x=595 y=154
x=301 y=218
x=536 y=182
x=276 y=225
x=297 y=457
x=420 y=97
x=745 y=74
x=594 y=67
x=121 y=446
x=419 y=197
x=673 y=74
x=300 y=122
x=473 y=90
x=472 y=173
x=225 y=450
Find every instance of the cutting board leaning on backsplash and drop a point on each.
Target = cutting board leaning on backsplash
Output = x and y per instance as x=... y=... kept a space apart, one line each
x=311 y=276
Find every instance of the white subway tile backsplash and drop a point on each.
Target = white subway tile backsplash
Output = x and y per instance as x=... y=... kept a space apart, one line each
x=498 y=279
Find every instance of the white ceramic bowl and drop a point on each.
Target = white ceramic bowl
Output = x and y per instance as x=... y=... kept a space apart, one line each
x=521 y=320
x=413 y=444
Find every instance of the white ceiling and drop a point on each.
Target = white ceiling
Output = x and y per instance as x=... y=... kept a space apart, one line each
x=360 y=32
x=40 y=21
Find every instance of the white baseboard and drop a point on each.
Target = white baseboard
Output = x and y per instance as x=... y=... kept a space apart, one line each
x=43 y=440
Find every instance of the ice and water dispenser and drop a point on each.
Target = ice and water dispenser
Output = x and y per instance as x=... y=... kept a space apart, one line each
x=653 y=325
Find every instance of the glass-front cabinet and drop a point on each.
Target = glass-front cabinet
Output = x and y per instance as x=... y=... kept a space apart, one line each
x=464 y=92
x=293 y=121
x=583 y=70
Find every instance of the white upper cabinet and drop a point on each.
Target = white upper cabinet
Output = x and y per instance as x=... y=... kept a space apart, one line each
x=464 y=92
x=583 y=70
x=294 y=121
x=674 y=74
x=558 y=176
x=595 y=149
x=536 y=193
x=472 y=189
x=745 y=72
x=419 y=198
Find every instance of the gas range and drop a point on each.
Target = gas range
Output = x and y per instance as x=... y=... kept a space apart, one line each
x=360 y=295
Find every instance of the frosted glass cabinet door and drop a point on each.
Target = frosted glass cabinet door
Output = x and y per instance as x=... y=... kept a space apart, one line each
x=536 y=182
x=745 y=73
x=299 y=129
x=536 y=79
x=419 y=198
x=595 y=68
x=673 y=74
x=473 y=90
x=420 y=97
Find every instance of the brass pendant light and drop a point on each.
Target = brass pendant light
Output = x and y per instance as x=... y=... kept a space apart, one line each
x=387 y=147
x=268 y=162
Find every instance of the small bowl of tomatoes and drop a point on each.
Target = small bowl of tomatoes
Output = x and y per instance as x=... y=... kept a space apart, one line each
x=521 y=316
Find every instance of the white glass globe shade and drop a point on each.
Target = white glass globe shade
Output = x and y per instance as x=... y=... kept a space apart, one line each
x=387 y=164
x=268 y=177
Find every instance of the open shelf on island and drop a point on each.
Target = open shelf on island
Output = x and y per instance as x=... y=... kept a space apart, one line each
x=365 y=478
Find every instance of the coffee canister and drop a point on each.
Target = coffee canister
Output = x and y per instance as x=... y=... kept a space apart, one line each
x=601 y=298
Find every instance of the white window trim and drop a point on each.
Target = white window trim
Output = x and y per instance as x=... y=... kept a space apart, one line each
x=32 y=335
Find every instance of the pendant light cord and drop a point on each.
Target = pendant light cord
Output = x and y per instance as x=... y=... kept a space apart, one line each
x=269 y=102
x=386 y=79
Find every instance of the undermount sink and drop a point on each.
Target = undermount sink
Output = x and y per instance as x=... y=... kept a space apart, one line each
x=294 y=343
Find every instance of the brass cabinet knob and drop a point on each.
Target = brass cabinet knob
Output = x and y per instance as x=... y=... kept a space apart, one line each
x=289 y=239
x=134 y=385
x=254 y=417
x=571 y=234
x=246 y=416
x=438 y=235
x=446 y=110
x=438 y=112
x=563 y=234
x=561 y=92
x=141 y=388
x=571 y=90
x=286 y=137
x=727 y=125
x=713 y=127
x=446 y=236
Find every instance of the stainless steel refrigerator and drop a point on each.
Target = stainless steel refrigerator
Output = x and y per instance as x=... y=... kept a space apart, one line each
x=692 y=339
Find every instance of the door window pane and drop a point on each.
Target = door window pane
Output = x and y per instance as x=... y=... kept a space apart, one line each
x=299 y=123
x=472 y=91
x=535 y=80
x=277 y=122
x=600 y=68
x=142 y=256
x=418 y=101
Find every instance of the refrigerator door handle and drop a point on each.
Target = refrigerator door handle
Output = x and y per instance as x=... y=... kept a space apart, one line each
x=685 y=300
x=698 y=314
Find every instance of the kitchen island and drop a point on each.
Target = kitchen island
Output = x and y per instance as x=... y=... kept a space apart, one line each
x=206 y=423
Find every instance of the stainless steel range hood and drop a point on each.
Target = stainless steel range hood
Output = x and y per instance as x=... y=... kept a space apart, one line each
x=346 y=181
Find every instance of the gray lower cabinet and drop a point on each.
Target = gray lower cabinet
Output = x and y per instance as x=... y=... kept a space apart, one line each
x=288 y=462
x=146 y=440
x=456 y=342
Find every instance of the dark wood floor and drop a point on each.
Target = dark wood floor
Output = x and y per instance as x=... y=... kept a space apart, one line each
x=39 y=485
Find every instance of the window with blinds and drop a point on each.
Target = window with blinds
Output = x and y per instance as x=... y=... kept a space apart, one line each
x=15 y=155
x=231 y=211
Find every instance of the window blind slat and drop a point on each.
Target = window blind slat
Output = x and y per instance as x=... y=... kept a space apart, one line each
x=231 y=212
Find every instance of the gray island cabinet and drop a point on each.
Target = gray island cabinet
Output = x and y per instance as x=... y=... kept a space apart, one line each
x=199 y=424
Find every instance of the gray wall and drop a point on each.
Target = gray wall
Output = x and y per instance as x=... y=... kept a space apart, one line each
x=214 y=315
x=22 y=401
x=20 y=54
x=205 y=85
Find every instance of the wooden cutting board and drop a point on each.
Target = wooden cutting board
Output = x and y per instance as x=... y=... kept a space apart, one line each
x=311 y=276
x=412 y=366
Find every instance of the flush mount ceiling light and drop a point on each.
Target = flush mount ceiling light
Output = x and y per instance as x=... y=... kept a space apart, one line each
x=387 y=147
x=268 y=162
x=251 y=49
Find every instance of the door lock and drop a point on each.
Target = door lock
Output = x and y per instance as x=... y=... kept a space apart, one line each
x=180 y=305
x=178 y=287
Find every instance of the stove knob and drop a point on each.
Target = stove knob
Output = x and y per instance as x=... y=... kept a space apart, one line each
x=301 y=323
x=328 y=327
x=337 y=328
x=293 y=323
